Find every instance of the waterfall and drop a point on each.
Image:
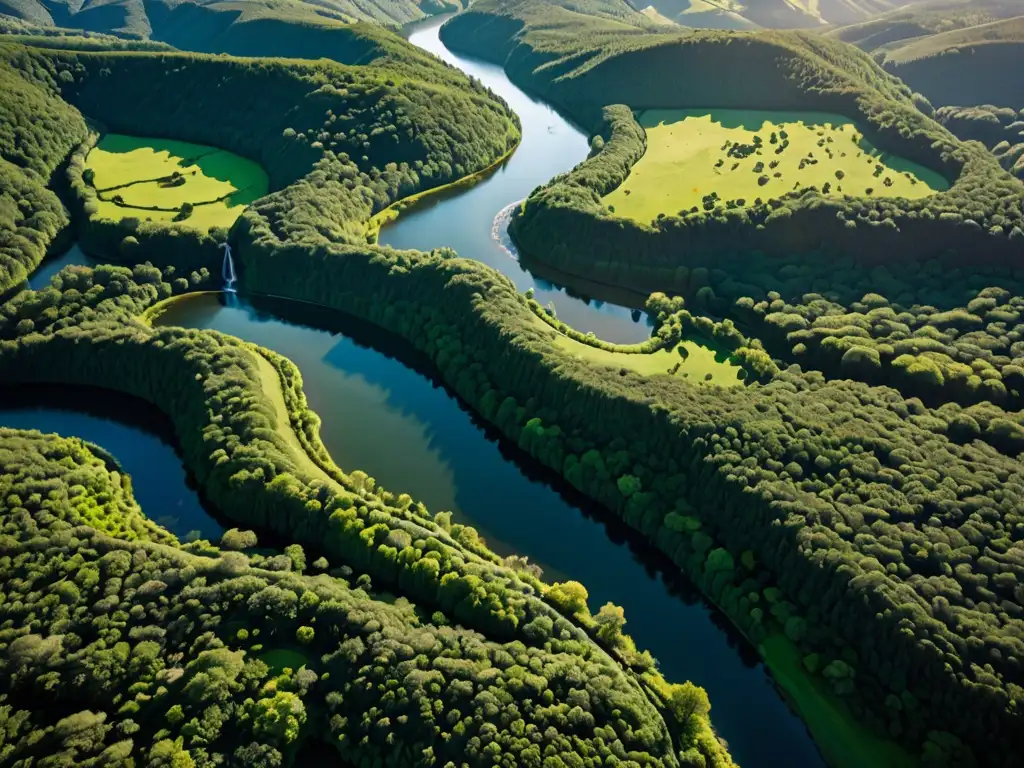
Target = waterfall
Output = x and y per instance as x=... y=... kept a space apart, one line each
x=227 y=270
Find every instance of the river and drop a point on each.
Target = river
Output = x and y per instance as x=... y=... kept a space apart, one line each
x=382 y=413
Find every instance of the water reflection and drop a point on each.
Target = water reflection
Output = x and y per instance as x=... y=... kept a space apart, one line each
x=465 y=219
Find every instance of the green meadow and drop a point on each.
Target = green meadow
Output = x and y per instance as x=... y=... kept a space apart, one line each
x=703 y=159
x=167 y=180
x=691 y=359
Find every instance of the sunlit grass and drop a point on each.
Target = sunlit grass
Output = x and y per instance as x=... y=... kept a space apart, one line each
x=694 y=153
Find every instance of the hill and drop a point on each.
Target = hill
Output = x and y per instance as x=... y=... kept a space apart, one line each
x=952 y=51
x=767 y=14
x=205 y=24
x=464 y=647
x=976 y=65
x=1001 y=129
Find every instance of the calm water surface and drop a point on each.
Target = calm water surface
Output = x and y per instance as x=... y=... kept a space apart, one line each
x=465 y=220
x=73 y=256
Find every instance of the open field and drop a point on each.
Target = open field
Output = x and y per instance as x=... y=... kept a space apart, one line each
x=701 y=361
x=153 y=178
x=743 y=156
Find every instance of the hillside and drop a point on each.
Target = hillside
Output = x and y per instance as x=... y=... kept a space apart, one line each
x=1001 y=129
x=954 y=52
x=205 y=24
x=767 y=14
x=976 y=65
x=419 y=641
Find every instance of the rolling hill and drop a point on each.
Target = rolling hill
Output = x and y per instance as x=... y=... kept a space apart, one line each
x=952 y=51
x=205 y=20
x=770 y=14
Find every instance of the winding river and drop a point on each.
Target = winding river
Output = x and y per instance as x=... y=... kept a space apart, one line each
x=383 y=413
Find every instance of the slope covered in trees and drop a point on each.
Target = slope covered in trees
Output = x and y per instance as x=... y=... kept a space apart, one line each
x=976 y=65
x=770 y=14
x=396 y=125
x=1001 y=129
x=872 y=530
x=953 y=51
x=479 y=662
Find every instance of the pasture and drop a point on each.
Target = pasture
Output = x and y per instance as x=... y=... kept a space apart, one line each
x=167 y=180
x=697 y=362
x=703 y=160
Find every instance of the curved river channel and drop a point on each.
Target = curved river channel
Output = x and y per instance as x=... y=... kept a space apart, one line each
x=382 y=413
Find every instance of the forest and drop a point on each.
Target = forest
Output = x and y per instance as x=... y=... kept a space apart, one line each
x=857 y=498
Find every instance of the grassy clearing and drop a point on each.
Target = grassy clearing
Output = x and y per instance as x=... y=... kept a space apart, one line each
x=844 y=741
x=153 y=178
x=695 y=153
x=701 y=362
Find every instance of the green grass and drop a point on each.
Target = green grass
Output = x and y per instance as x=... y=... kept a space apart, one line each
x=279 y=658
x=217 y=183
x=843 y=741
x=685 y=161
x=702 y=360
x=270 y=382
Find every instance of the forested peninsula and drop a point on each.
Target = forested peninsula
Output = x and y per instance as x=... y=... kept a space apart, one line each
x=854 y=502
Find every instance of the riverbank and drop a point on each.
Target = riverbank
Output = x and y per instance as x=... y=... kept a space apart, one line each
x=390 y=214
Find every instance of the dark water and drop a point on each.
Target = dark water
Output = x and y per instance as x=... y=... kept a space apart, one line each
x=73 y=256
x=383 y=416
x=138 y=437
x=465 y=219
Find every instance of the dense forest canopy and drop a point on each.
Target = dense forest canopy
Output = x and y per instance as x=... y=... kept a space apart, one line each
x=355 y=138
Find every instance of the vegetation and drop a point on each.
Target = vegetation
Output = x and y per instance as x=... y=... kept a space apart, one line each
x=874 y=528
x=164 y=180
x=1001 y=129
x=575 y=61
x=750 y=14
x=475 y=663
x=203 y=25
x=737 y=158
x=397 y=125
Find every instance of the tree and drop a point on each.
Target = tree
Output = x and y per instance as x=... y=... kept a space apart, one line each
x=610 y=621
x=689 y=703
x=279 y=717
